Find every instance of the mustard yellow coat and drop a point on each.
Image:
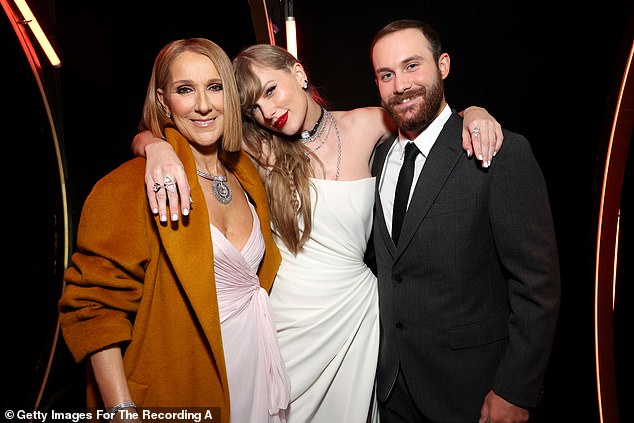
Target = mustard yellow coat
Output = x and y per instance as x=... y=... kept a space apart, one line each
x=150 y=287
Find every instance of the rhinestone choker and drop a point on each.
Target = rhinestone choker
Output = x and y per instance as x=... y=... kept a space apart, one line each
x=310 y=136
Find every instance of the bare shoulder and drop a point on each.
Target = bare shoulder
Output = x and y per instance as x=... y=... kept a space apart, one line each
x=371 y=123
x=371 y=115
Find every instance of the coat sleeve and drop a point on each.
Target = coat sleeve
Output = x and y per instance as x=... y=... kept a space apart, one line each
x=104 y=282
x=525 y=239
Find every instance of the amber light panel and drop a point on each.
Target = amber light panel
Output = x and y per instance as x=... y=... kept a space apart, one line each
x=31 y=21
x=291 y=36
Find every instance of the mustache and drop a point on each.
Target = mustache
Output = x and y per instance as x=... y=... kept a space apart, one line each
x=398 y=98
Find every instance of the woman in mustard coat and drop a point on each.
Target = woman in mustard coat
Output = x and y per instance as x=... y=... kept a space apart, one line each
x=163 y=312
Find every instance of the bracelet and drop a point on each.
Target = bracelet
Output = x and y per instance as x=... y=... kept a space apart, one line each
x=121 y=406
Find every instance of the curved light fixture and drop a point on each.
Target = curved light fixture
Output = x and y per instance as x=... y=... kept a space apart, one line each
x=19 y=24
x=608 y=242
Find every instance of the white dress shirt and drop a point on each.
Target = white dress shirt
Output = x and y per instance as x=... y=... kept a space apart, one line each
x=394 y=161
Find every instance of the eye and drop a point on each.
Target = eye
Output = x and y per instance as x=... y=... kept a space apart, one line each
x=269 y=91
x=250 y=111
x=184 y=89
x=386 y=76
x=411 y=66
x=215 y=87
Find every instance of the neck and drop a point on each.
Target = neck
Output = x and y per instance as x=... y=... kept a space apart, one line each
x=209 y=163
x=307 y=134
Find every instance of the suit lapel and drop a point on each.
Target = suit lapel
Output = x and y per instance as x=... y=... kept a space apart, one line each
x=438 y=166
x=379 y=216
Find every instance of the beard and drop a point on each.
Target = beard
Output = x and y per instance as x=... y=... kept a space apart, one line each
x=416 y=117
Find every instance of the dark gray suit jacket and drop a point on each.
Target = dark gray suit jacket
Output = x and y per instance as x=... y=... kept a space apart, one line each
x=469 y=300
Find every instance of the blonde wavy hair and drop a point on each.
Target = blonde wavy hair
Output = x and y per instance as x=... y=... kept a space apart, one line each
x=288 y=168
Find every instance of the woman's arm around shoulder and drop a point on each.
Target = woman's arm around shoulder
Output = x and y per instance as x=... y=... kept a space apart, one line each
x=162 y=162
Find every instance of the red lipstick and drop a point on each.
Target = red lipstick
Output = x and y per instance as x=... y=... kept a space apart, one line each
x=281 y=121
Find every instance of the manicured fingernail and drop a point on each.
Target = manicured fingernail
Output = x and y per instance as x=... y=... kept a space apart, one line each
x=163 y=218
x=185 y=212
x=175 y=216
x=494 y=153
x=155 y=210
x=480 y=157
x=191 y=200
x=468 y=153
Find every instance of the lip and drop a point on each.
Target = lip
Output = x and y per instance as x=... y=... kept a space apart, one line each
x=281 y=121
x=407 y=103
x=203 y=123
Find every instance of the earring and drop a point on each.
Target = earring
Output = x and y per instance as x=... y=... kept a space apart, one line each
x=305 y=84
x=168 y=114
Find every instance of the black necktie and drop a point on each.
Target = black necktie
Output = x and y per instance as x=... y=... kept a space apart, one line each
x=403 y=187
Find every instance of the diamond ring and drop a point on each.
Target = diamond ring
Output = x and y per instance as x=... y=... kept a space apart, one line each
x=170 y=184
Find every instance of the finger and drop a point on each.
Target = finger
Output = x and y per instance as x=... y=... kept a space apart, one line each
x=151 y=195
x=169 y=183
x=476 y=140
x=486 y=138
x=499 y=138
x=160 y=195
x=161 y=199
x=183 y=191
x=466 y=141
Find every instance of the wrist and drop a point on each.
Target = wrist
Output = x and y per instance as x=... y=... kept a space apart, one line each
x=113 y=411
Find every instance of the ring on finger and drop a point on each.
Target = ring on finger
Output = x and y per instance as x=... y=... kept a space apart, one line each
x=476 y=132
x=156 y=187
x=169 y=184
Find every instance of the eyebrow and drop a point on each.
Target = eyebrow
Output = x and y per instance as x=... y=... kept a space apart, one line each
x=404 y=61
x=189 y=81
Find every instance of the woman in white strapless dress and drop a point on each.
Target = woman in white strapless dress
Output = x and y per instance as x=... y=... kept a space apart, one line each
x=315 y=165
x=325 y=305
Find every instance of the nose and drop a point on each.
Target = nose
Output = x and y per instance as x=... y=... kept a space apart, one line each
x=203 y=103
x=267 y=109
x=401 y=83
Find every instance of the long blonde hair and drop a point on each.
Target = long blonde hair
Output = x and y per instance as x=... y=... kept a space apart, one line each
x=288 y=168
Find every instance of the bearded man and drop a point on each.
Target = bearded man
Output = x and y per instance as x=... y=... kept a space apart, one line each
x=468 y=273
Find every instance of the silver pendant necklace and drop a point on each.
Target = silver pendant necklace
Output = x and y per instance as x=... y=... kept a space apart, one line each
x=219 y=186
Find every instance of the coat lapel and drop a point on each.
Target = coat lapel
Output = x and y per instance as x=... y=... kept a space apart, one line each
x=438 y=166
x=187 y=243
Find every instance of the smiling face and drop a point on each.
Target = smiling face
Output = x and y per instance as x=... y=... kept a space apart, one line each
x=283 y=104
x=410 y=81
x=194 y=97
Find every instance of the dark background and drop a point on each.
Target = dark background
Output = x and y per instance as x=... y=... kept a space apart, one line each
x=551 y=75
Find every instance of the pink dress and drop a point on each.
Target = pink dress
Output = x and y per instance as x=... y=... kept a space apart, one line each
x=259 y=387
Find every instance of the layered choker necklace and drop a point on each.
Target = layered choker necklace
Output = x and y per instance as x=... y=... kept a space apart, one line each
x=326 y=120
x=310 y=136
x=219 y=186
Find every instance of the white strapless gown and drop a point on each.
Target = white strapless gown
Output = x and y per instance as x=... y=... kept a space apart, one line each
x=325 y=306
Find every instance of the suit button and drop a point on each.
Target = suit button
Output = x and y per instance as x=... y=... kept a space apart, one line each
x=399 y=325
